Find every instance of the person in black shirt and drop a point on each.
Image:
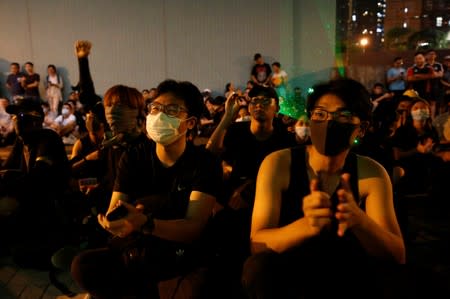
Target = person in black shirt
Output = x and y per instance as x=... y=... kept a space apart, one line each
x=36 y=176
x=320 y=209
x=168 y=188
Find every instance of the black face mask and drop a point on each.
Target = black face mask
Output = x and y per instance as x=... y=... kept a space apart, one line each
x=331 y=137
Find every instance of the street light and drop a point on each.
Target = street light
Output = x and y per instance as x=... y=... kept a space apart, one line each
x=364 y=42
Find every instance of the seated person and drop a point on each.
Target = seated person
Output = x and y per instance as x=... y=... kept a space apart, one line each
x=414 y=148
x=34 y=183
x=65 y=124
x=303 y=130
x=168 y=188
x=320 y=209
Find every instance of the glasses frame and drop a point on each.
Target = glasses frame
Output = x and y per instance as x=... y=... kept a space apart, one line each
x=164 y=108
x=263 y=101
x=335 y=115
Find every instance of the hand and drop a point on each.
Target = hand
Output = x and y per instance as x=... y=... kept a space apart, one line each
x=125 y=226
x=317 y=208
x=426 y=146
x=231 y=105
x=82 y=48
x=348 y=213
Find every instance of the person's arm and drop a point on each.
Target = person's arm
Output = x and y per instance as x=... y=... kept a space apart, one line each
x=60 y=83
x=440 y=73
x=87 y=96
x=215 y=142
x=445 y=83
x=391 y=78
x=285 y=79
x=66 y=129
x=419 y=77
x=265 y=231
x=269 y=75
x=34 y=84
x=377 y=229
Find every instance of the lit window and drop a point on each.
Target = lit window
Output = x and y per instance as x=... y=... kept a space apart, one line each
x=405 y=25
x=354 y=18
x=365 y=13
x=438 y=21
x=379 y=30
x=406 y=9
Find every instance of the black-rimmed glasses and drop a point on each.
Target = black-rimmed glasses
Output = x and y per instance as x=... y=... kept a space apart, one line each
x=172 y=110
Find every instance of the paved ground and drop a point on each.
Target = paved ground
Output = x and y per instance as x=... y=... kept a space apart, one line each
x=428 y=249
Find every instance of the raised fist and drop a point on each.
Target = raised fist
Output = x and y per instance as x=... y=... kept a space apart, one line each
x=82 y=48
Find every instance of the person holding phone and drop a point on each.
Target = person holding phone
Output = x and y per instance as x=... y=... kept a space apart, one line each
x=320 y=209
x=396 y=79
x=163 y=197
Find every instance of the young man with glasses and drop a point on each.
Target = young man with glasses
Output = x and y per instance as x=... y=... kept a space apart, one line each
x=165 y=189
x=320 y=209
x=242 y=147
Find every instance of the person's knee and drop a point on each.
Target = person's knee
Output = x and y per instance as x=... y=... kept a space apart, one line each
x=257 y=267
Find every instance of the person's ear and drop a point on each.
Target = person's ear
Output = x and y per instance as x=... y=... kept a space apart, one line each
x=363 y=127
x=191 y=122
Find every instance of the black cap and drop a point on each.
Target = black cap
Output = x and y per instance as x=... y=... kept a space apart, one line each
x=26 y=106
x=259 y=90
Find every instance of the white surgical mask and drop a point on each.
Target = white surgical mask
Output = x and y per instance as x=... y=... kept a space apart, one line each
x=163 y=129
x=65 y=111
x=420 y=114
x=302 y=132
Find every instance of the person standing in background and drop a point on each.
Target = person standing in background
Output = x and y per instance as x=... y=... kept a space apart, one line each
x=279 y=80
x=31 y=82
x=261 y=71
x=14 y=82
x=396 y=78
x=53 y=87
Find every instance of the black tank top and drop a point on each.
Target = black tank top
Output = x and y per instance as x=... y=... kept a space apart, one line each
x=299 y=187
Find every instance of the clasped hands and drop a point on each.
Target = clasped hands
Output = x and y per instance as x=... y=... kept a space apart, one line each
x=317 y=208
x=123 y=227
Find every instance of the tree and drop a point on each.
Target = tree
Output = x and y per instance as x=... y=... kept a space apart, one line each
x=397 y=38
x=427 y=38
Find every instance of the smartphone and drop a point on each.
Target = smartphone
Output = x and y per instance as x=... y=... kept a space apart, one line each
x=118 y=213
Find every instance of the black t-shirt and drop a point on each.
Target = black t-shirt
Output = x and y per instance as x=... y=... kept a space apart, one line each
x=423 y=87
x=32 y=91
x=261 y=72
x=166 y=190
x=406 y=137
x=245 y=153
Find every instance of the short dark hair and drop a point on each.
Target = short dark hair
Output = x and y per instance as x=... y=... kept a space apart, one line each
x=30 y=63
x=277 y=64
x=186 y=91
x=15 y=64
x=256 y=56
x=354 y=95
x=259 y=90
x=378 y=84
x=419 y=53
x=398 y=58
x=51 y=66
x=430 y=50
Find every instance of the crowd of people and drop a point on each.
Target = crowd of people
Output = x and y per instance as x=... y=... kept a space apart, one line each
x=173 y=192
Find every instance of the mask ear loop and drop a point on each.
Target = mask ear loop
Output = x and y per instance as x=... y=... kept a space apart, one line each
x=363 y=127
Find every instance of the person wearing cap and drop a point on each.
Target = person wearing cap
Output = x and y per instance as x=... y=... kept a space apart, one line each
x=39 y=160
x=242 y=147
x=414 y=148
